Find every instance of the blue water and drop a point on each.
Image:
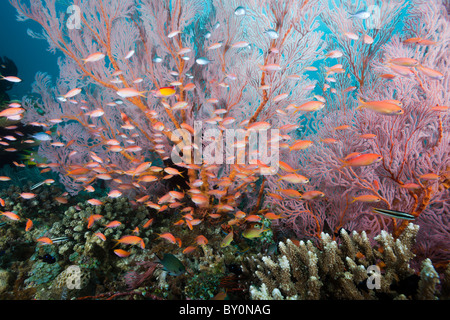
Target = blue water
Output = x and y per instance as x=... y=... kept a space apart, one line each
x=30 y=55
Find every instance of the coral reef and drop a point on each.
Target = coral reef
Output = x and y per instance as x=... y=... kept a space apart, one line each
x=350 y=269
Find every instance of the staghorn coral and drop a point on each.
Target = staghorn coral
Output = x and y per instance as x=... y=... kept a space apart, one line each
x=347 y=270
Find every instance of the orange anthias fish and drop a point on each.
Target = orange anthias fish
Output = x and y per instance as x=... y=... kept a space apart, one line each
x=113 y=224
x=365 y=159
x=387 y=107
x=94 y=57
x=45 y=240
x=121 y=253
x=311 y=195
x=95 y=202
x=27 y=195
x=10 y=215
x=100 y=236
x=366 y=198
x=201 y=240
x=29 y=225
x=92 y=218
x=311 y=106
x=131 y=240
x=294 y=178
x=168 y=236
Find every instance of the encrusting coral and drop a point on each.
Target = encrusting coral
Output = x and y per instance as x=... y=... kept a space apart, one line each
x=350 y=269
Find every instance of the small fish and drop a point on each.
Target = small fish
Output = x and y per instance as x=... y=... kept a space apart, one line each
x=129 y=54
x=173 y=33
x=394 y=214
x=92 y=218
x=362 y=14
x=100 y=236
x=129 y=93
x=201 y=240
x=272 y=216
x=11 y=79
x=240 y=11
x=310 y=106
x=430 y=176
x=351 y=35
x=329 y=140
x=366 y=198
x=271 y=67
x=94 y=57
x=121 y=253
x=61 y=200
x=311 y=195
x=10 y=215
x=113 y=224
x=383 y=107
x=72 y=93
x=189 y=249
x=433 y=74
x=168 y=236
x=365 y=159
x=253 y=233
x=300 y=145
x=368 y=39
x=47 y=258
x=133 y=240
x=334 y=54
x=172 y=264
x=368 y=136
x=240 y=44
x=11 y=112
x=227 y=240
x=405 y=62
x=291 y=193
x=157 y=59
x=42 y=136
x=294 y=178
x=411 y=186
x=202 y=61
x=27 y=195
x=166 y=91
x=114 y=194
x=45 y=240
x=272 y=34
x=29 y=225
x=95 y=202
x=387 y=76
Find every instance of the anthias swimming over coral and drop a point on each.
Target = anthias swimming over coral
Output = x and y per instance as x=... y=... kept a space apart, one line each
x=221 y=149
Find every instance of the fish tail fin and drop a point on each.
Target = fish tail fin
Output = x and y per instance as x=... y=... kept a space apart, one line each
x=117 y=242
x=354 y=199
x=344 y=164
x=361 y=101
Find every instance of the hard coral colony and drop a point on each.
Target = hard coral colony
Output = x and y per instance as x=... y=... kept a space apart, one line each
x=192 y=136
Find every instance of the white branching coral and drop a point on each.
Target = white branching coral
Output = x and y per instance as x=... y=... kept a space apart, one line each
x=351 y=268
